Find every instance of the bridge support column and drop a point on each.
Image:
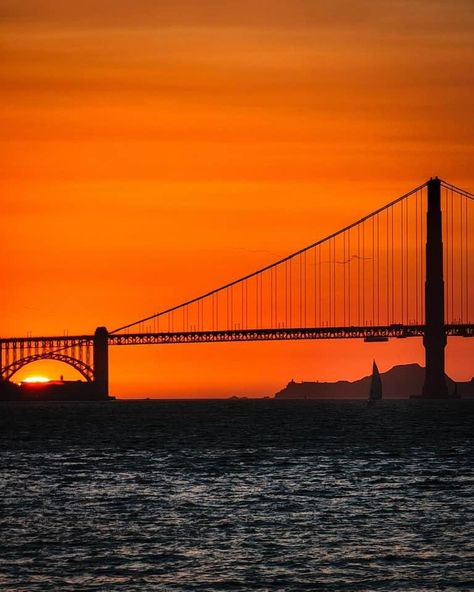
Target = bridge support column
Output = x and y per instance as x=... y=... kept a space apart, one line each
x=434 y=338
x=101 y=361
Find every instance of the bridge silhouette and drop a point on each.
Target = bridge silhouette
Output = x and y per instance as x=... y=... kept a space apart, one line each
x=404 y=270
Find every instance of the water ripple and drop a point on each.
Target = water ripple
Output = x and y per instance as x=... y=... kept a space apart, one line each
x=241 y=495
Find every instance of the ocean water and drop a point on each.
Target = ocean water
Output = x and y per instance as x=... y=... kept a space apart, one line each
x=237 y=495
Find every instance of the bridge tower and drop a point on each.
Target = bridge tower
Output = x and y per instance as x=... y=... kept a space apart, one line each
x=434 y=338
x=101 y=361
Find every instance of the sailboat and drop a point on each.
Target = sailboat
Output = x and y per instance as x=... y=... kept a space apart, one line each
x=375 y=393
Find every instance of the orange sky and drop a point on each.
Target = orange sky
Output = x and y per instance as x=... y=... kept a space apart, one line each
x=154 y=150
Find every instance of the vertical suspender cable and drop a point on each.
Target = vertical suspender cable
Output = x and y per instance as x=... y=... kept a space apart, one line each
x=416 y=258
x=305 y=291
x=402 y=270
x=276 y=297
x=363 y=274
x=301 y=290
x=291 y=294
x=358 y=277
x=334 y=281
x=378 y=269
x=407 y=260
x=468 y=282
x=393 y=266
x=387 y=269
x=344 y=278
x=320 y=287
x=347 y=260
x=461 y=221
x=373 y=272
x=315 y=288
x=452 y=258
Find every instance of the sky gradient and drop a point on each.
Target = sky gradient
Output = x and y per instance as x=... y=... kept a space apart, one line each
x=154 y=150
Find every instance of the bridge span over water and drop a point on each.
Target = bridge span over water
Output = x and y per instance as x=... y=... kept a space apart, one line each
x=405 y=270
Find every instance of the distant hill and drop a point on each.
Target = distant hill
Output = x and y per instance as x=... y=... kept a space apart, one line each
x=399 y=382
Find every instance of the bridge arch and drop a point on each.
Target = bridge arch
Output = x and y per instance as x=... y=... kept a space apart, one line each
x=84 y=369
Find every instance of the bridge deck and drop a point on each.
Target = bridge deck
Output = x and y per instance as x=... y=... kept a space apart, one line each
x=281 y=334
x=375 y=333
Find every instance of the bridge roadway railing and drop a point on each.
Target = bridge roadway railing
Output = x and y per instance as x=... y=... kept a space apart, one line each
x=281 y=334
x=278 y=334
x=47 y=342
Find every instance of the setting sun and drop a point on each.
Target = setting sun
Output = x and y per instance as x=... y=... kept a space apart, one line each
x=36 y=379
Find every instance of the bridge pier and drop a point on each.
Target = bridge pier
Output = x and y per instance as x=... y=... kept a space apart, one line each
x=101 y=361
x=434 y=338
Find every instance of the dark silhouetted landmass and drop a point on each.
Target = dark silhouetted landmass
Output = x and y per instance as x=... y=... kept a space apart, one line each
x=51 y=391
x=399 y=382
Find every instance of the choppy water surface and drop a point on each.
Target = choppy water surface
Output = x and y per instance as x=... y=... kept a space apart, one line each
x=237 y=495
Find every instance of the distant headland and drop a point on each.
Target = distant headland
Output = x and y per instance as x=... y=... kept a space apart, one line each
x=400 y=382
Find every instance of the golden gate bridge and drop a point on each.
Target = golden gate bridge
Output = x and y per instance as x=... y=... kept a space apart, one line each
x=404 y=270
